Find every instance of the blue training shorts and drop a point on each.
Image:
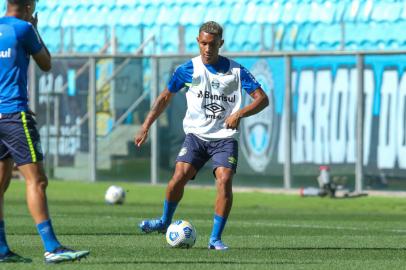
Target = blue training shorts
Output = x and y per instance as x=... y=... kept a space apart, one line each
x=19 y=138
x=197 y=152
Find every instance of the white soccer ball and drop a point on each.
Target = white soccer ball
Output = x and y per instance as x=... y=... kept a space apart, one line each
x=181 y=234
x=115 y=195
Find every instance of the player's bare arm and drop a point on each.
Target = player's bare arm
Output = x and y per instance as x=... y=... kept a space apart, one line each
x=159 y=106
x=258 y=104
x=43 y=57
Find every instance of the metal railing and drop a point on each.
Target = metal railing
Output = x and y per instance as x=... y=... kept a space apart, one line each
x=155 y=63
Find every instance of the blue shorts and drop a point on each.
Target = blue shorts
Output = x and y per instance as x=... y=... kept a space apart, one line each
x=197 y=152
x=19 y=138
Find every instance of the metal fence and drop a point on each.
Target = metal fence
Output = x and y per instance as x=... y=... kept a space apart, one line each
x=331 y=113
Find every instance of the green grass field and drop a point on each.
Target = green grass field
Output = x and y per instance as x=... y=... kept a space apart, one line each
x=265 y=231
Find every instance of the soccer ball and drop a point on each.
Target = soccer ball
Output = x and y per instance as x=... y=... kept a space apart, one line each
x=115 y=195
x=181 y=234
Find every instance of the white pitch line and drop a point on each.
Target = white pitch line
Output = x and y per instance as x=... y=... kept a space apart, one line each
x=304 y=226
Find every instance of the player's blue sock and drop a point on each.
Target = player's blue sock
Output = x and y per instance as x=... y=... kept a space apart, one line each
x=48 y=237
x=218 y=226
x=169 y=210
x=3 y=242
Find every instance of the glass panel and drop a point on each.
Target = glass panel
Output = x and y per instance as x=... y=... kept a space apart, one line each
x=385 y=122
x=323 y=120
x=61 y=108
x=121 y=109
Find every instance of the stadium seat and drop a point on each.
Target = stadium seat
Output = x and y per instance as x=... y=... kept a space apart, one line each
x=169 y=39
x=289 y=13
x=249 y=25
x=302 y=12
x=149 y=16
x=86 y=36
x=356 y=35
x=52 y=38
x=127 y=17
x=340 y=8
x=128 y=37
x=325 y=37
x=321 y=12
x=365 y=11
x=251 y=12
x=127 y=4
x=386 y=11
x=192 y=14
x=268 y=37
x=289 y=37
x=191 y=32
x=169 y=15
x=263 y=12
x=351 y=11
x=238 y=13
x=99 y=15
x=303 y=36
x=278 y=36
x=217 y=12
x=253 y=40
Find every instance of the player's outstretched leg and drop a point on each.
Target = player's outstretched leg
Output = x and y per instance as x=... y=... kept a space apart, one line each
x=174 y=192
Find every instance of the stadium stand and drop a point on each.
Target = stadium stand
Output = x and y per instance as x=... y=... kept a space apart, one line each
x=249 y=25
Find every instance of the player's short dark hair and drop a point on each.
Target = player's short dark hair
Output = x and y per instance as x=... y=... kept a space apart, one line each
x=21 y=3
x=213 y=28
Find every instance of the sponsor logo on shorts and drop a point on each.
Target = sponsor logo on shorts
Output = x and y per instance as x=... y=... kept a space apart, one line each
x=182 y=151
x=232 y=160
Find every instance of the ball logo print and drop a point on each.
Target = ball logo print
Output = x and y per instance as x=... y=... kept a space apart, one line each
x=258 y=134
x=173 y=236
x=188 y=232
x=181 y=234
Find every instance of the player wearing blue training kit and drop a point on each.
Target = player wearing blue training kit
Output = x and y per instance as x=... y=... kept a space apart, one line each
x=215 y=86
x=19 y=138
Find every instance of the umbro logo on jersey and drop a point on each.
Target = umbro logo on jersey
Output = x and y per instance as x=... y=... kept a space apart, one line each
x=215 y=109
x=6 y=53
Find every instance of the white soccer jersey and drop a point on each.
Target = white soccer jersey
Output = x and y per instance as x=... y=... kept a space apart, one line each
x=211 y=97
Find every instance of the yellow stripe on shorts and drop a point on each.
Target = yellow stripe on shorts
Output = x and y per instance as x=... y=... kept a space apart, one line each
x=27 y=135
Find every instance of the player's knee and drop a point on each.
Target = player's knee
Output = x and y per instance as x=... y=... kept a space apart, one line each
x=224 y=185
x=43 y=182
x=180 y=177
x=40 y=181
x=224 y=180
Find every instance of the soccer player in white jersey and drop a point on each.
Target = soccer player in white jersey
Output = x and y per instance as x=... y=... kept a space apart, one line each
x=215 y=85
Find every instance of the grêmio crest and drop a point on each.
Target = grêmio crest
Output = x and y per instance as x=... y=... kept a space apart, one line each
x=258 y=132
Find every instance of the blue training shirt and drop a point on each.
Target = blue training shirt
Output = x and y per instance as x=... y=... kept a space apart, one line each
x=18 y=40
x=184 y=73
